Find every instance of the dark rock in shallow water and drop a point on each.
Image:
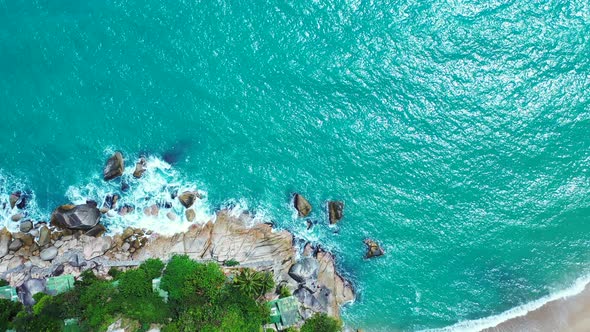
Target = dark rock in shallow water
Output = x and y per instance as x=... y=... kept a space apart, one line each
x=187 y=198
x=124 y=186
x=110 y=201
x=82 y=217
x=373 y=249
x=302 y=205
x=140 y=168
x=335 y=211
x=125 y=209
x=14 y=198
x=114 y=167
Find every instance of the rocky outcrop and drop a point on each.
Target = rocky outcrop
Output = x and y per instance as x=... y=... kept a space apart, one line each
x=335 y=211
x=79 y=217
x=114 y=167
x=373 y=249
x=140 y=168
x=5 y=239
x=302 y=205
x=187 y=198
x=307 y=268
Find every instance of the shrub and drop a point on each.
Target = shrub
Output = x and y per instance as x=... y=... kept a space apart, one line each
x=253 y=283
x=3 y=283
x=192 y=282
x=115 y=272
x=153 y=268
x=284 y=292
x=135 y=283
x=321 y=323
x=8 y=311
x=231 y=262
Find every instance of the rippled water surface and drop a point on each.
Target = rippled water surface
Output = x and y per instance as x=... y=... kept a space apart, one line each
x=457 y=133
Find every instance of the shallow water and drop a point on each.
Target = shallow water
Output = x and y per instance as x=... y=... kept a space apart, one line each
x=456 y=133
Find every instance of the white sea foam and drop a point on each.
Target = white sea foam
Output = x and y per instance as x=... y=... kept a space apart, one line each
x=487 y=322
x=157 y=186
x=9 y=185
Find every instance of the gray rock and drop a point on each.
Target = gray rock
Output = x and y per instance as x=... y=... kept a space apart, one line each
x=140 y=168
x=302 y=205
x=16 y=217
x=114 y=167
x=305 y=269
x=307 y=298
x=5 y=239
x=48 y=254
x=30 y=288
x=96 y=231
x=15 y=245
x=26 y=226
x=44 y=236
x=125 y=246
x=82 y=217
x=187 y=198
x=335 y=211
x=190 y=215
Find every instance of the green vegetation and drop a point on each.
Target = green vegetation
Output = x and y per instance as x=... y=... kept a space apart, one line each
x=3 y=283
x=201 y=298
x=322 y=323
x=284 y=292
x=231 y=262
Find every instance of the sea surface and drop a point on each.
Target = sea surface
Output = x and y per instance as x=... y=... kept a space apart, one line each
x=456 y=132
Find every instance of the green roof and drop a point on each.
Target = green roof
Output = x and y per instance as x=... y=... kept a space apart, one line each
x=8 y=293
x=58 y=285
x=284 y=312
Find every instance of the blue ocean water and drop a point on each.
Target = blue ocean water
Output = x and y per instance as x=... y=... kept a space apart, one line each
x=457 y=133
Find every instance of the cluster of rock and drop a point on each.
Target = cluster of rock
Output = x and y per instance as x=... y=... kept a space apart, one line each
x=335 y=214
x=313 y=279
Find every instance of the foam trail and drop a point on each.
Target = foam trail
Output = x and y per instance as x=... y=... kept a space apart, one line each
x=475 y=325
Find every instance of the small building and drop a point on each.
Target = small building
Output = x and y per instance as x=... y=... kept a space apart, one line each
x=8 y=293
x=58 y=285
x=284 y=312
x=156 y=288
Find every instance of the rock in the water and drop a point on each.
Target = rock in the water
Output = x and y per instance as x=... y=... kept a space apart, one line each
x=114 y=167
x=96 y=231
x=124 y=186
x=171 y=215
x=5 y=239
x=126 y=209
x=82 y=217
x=302 y=205
x=14 y=197
x=16 y=217
x=110 y=201
x=26 y=226
x=48 y=254
x=307 y=268
x=373 y=249
x=140 y=168
x=335 y=211
x=15 y=245
x=190 y=215
x=44 y=236
x=187 y=198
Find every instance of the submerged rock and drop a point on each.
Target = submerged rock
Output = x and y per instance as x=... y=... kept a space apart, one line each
x=114 y=167
x=190 y=215
x=302 y=205
x=373 y=249
x=335 y=211
x=140 y=168
x=82 y=217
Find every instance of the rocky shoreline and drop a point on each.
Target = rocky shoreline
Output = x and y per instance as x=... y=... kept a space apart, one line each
x=28 y=258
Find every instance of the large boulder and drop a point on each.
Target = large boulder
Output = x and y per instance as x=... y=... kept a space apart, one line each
x=5 y=239
x=373 y=249
x=26 y=226
x=95 y=247
x=15 y=245
x=44 y=236
x=114 y=167
x=140 y=168
x=48 y=254
x=305 y=269
x=82 y=217
x=14 y=197
x=302 y=205
x=187 y=198
x=335 y=211
x=30 y=288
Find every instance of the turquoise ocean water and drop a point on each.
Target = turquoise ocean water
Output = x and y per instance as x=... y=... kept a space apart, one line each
x=457 y=133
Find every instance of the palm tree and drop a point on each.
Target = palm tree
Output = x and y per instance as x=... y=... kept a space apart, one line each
x=254 y=283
